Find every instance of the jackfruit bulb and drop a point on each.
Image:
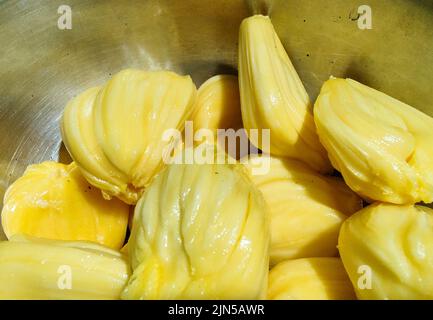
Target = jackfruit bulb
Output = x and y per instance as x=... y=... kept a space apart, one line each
x=118 y=133
x=310 y=279
x=217 y=114
x=382 y=147
x=306 y=209
x=218 y=104
x=32 y=268
x=273 y=97
x=199 y=232
x=387 y=251
x=53 y=200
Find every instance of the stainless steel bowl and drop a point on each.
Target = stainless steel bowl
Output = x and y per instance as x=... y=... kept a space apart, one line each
x=42 y=67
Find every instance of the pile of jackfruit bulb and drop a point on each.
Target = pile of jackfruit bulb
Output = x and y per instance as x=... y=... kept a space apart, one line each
x=221 y=230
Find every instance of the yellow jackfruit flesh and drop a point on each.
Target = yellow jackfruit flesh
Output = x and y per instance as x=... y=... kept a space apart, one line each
x=50 y=269
x=382 y=147
x=199 y=232
x=306 y=209
x=218 y=104
x=310 y=279
x=387 y=251
x=218 y=107
x=273 y=97
x=53 y=200
x=116 y=133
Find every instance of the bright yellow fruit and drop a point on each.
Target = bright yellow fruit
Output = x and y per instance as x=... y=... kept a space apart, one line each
x=199 y=232
x=273 y=97
x=382 y=147
x=306 y=209
x=218 y=104
x=388 y=251
x=310 y=279
x=218 y=107
x=33 y=268
x=115 y=133
x=53 y=200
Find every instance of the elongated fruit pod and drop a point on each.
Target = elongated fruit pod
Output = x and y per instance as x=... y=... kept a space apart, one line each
x=54 y=201
x=306 y=209
x=310 y=279
x=218 y=112
x=273 y=97
x=387 y=251
x=116 y=133
x=382 y=147
x=199 y=232
x=32 y=268
x=218 y=104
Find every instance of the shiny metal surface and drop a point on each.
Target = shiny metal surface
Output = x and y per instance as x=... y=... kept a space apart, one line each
x=42 y=67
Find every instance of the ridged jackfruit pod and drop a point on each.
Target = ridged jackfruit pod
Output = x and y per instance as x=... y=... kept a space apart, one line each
x=199 y=232
x=273 y=97
x=53 y=200
x=306 y=209
x=218 y=111
x=218 y=104
x=382 y=147
x=32 y=268
x=115 y=133
x=387 y=251
x=310 y=279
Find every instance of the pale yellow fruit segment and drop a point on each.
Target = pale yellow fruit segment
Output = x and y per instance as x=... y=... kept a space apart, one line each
x=306 y=209
x=33 y=268
x=199 y=232
x=218 y=104
x=217 y=116
x=116 y=133
x=273 y=96
x=382 y=147
x=387 y=251
x=310 y=279
x=53 y=200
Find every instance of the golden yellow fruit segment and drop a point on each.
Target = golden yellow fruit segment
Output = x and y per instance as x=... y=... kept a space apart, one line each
x=199 y=232
x=218 y=107
x=116 y=133
x=310 y=279
x=382 y=147
x=218 y=104
x=53 y=200
x=306 y=209
x=47 y=269
x=387 y=251
x=273 y=97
